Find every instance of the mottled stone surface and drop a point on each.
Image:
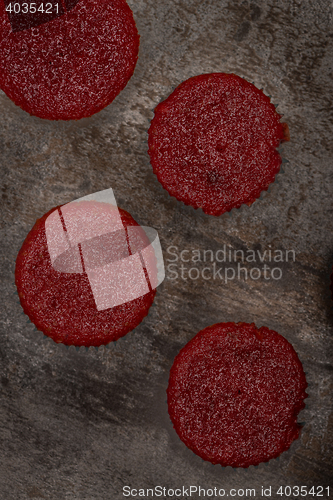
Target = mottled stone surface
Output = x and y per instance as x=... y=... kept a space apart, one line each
x=81 y=425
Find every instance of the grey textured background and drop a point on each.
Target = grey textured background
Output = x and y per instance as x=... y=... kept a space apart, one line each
x=81 y=425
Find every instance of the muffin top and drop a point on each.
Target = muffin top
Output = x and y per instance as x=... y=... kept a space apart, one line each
x=64 y=305
x=69 y=61
x=212 y=142
x=234 y=394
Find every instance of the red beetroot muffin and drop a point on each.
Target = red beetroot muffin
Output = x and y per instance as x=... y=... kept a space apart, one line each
x=212 y=142
x=234 y=394
x=67 y=65
x=62 y=305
